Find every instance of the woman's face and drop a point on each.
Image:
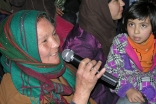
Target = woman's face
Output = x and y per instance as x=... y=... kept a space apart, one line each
x=116 y=8
x=48 y=42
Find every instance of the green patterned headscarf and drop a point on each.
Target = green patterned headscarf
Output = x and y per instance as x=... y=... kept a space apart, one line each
x=20 y=58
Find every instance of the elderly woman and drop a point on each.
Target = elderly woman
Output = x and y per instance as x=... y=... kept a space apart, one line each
x=35 y=71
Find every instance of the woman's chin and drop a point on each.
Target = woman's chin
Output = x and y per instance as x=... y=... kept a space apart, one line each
x=52 y=60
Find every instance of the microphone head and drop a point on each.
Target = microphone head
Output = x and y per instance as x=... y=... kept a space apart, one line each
x=67 y=55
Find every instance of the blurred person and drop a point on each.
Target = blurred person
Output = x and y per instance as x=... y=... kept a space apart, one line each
x=92 y=38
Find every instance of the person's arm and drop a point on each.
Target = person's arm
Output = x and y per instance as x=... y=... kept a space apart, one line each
x=118 y=64
x=60 y=7
x=134 y=95
x=59 y=11
x=86 y=78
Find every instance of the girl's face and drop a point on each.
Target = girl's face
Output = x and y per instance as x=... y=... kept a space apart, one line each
x=139 y=30
x=116 y=8
x=48 y=42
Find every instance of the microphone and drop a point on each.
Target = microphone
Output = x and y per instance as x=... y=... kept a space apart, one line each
x=69 y=56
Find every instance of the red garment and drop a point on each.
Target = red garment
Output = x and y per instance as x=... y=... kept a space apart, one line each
x=63 y=27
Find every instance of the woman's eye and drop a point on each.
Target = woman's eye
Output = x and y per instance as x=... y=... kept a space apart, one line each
x=54 y=33
x=44 y=41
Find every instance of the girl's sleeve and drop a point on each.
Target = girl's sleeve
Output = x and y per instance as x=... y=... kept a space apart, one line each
x=115 y=65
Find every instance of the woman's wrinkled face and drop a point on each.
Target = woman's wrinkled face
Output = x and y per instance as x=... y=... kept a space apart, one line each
x=116 y=8
x=48 y=42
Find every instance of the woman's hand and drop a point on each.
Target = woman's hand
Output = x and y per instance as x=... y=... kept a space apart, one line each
x=134 y=95
x=86 y=79
x=59 y=11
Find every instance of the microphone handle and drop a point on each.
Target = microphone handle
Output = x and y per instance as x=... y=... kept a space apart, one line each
x=110 y=79
x=76 y=61
x=106 y=77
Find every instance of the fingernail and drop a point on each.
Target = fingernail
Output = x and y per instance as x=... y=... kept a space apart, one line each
x=100 y=61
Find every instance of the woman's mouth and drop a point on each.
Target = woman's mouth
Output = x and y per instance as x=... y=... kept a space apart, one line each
x=54 y=54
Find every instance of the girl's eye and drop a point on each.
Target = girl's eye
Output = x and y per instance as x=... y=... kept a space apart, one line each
x=130 y=24
x=144 y=26
x=115 y=0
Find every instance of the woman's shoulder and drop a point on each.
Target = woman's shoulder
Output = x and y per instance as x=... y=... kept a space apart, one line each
x=8 y=92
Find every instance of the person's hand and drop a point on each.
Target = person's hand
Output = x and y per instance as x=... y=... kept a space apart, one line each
x=134 y=95
x=59 y=11
x=86 y=78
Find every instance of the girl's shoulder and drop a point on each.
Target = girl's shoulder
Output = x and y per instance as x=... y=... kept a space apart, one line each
x=120 y=39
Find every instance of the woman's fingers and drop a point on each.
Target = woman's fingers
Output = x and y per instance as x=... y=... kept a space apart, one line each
x=59 y=11
x=96 y=68
x=90 y=68
x=101 y=72
x=83 y=64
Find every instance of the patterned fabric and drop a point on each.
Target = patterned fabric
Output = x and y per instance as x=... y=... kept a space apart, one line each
x=123 y=63
x=20 y=58
x=60 y=4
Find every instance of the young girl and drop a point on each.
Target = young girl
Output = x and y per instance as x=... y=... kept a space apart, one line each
x=132 y=55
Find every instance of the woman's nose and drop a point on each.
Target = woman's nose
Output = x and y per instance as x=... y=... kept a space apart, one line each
x=122 y=3
x=55 y=42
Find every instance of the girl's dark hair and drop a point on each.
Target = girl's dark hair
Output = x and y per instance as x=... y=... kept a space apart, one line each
x=140 y=10
x=109 y=1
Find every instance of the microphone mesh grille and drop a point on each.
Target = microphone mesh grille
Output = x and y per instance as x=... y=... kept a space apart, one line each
x=67 y=55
